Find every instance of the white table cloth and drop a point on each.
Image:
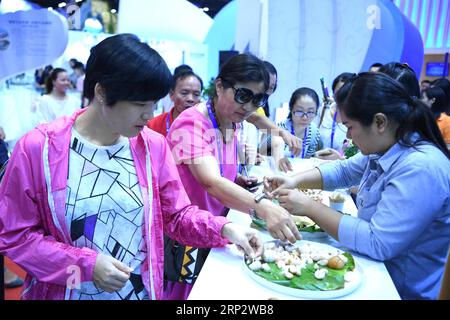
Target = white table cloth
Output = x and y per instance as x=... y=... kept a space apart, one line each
x=223 y=276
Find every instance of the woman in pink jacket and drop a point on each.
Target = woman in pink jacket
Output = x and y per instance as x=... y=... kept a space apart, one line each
x=86 y=199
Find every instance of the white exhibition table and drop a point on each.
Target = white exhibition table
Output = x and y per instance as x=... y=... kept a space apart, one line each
x=223 y=276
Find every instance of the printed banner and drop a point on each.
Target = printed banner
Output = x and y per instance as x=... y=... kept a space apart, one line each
x=30 y=39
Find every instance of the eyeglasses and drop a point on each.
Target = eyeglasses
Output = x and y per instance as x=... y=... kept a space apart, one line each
x=244 y=95
x=309 y=115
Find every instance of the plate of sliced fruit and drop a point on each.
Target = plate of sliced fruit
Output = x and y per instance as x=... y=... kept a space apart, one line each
x=305 y=269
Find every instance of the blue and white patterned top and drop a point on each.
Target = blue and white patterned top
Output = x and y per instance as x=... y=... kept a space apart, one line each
x=313 y=141
x=403 y=213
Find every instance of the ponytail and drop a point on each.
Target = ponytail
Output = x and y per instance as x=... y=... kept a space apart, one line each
x=48 y=85
x=421 y=120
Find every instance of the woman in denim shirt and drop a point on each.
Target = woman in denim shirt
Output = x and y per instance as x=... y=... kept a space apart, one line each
x=403 y=173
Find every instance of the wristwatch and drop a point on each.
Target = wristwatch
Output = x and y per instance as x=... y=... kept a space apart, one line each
x=259 y=197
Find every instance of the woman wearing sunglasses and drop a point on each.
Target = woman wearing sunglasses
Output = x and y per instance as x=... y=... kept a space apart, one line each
x=204 y=144
x=403 y=172
x=303 y=107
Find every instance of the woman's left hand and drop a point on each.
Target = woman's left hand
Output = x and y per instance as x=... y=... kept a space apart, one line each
x=294 y=201
x=245 y=238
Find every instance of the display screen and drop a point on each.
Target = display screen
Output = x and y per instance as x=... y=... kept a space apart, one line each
x=436 y=69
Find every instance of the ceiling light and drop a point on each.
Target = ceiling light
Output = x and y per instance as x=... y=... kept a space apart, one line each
x=62 y=4
x=206 y=9
x=113 y=10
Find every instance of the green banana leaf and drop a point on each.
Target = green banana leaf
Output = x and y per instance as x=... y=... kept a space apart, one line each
x=260 y=223
x=334 y=280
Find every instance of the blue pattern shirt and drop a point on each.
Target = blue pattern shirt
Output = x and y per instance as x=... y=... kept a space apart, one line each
x=313 y=141
x=403 y=213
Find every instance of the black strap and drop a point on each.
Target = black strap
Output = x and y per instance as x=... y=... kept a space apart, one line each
x=2 y=278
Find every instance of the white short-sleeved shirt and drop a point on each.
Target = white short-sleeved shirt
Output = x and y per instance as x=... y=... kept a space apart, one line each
x=49 y=108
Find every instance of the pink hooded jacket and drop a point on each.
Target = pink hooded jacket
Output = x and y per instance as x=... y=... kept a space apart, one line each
x=33 y=232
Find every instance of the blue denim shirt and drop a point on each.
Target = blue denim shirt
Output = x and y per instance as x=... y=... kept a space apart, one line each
x=403 y=213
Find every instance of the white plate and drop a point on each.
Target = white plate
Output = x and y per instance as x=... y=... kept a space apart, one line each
x=349 y=287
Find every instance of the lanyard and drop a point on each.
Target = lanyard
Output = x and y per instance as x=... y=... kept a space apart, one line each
x=303 y=142
x=219 y=142
x=333 y=128
x=167 y=123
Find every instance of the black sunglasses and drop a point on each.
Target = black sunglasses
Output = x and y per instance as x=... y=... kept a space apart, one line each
x=244 y=95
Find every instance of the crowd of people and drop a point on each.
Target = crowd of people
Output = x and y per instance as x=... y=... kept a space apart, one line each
x=62 y=220
x=136 y=201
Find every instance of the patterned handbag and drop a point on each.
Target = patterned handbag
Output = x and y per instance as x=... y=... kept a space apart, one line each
x=182 y=263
